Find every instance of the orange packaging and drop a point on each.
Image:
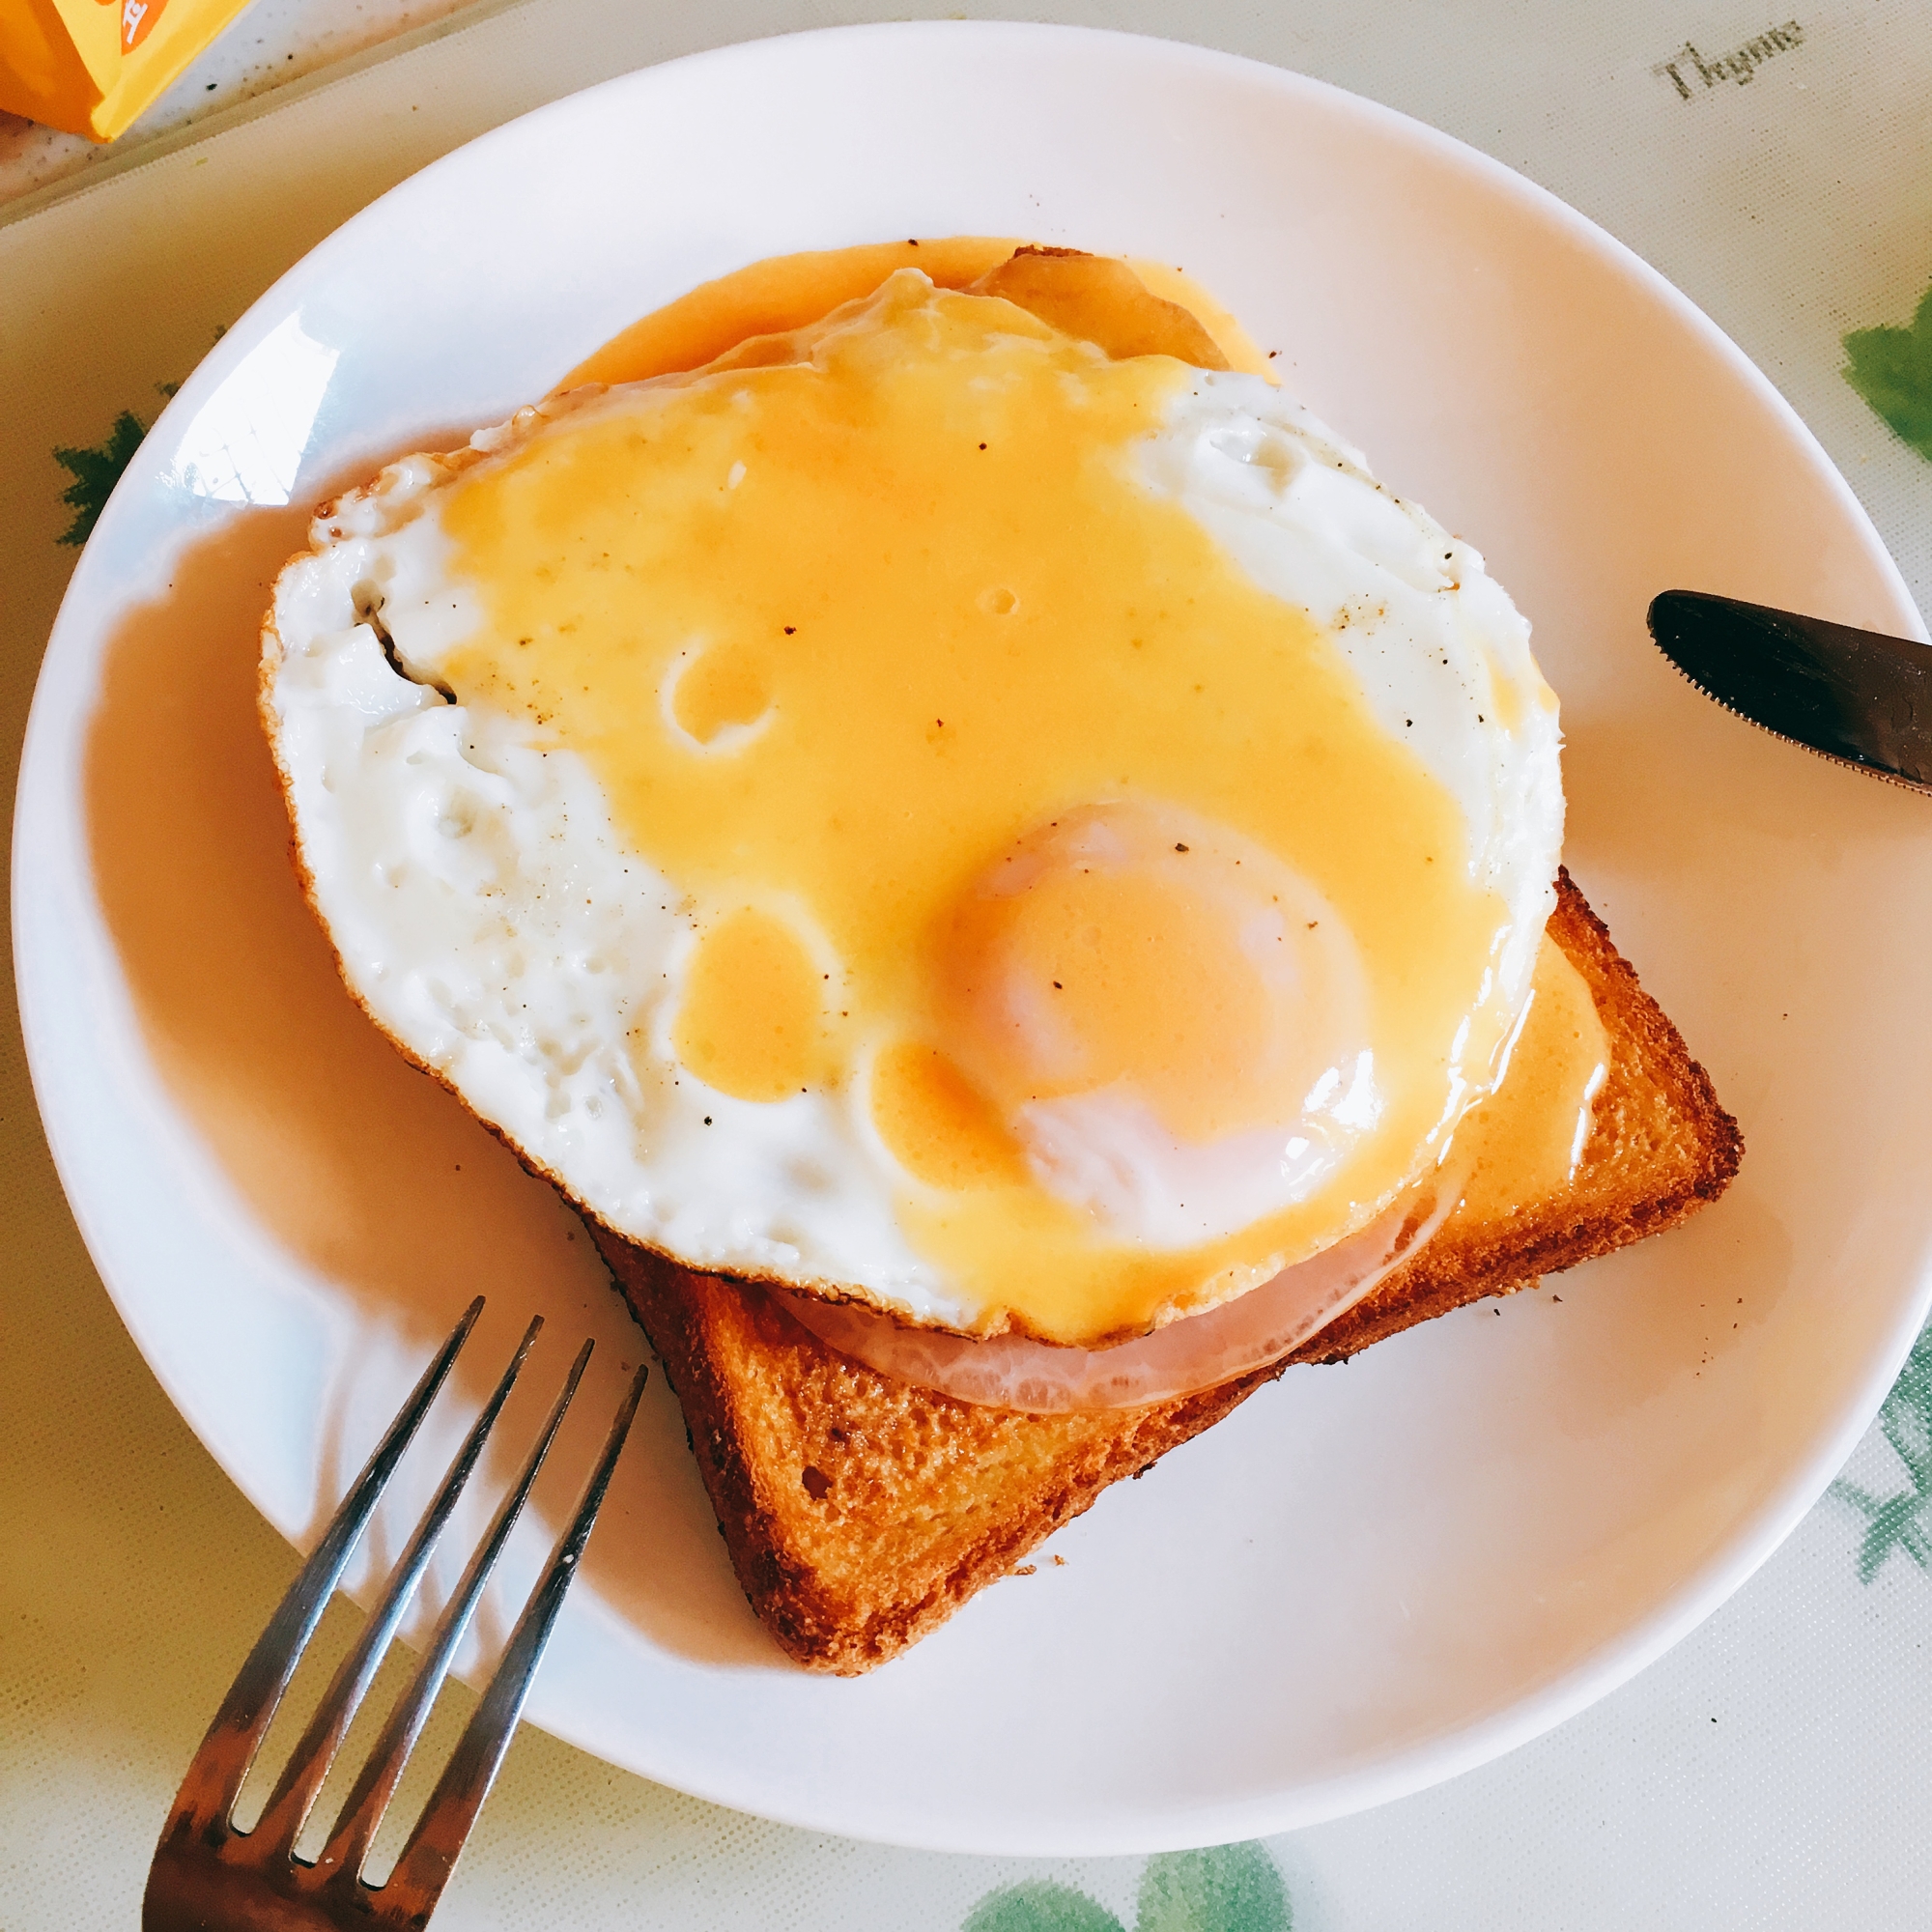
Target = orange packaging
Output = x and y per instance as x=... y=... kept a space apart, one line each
x=91 y=66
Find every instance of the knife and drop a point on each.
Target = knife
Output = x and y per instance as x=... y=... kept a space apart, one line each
x=1858 y=698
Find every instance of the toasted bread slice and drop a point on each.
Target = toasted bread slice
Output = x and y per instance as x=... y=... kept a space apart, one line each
x=859 y=1512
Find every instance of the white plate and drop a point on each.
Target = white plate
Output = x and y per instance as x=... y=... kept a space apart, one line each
x=1368 y=1577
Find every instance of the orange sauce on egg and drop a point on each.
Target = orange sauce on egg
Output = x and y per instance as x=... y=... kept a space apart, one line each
x=918 y=706
x=787 y=291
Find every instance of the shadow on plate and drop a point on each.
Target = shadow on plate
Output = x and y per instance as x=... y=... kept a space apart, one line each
x=366 y=1172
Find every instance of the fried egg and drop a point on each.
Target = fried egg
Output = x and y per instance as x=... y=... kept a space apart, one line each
x=927 y=813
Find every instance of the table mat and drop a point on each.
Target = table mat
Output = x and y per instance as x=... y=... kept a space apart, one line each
x=1771 y=1771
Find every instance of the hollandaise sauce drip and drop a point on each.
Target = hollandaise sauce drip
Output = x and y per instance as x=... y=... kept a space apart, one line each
x=1524 y=1144
x=841 y=620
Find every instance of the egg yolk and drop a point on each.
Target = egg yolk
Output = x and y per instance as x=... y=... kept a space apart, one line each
x=844 y=623
x=1128 y=978
x=1109 y=952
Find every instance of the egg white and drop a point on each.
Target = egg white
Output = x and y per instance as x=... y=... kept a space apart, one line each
x=492 y=921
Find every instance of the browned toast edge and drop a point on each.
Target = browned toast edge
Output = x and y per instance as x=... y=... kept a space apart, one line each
x=760 y=1393
x=699 y=1325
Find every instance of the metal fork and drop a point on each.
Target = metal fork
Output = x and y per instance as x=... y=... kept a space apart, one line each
x=207 y=1875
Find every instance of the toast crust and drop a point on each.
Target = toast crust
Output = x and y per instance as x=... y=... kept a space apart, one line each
x=859 y=1512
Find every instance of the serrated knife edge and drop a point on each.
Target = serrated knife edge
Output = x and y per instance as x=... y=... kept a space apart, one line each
x=1861 y=708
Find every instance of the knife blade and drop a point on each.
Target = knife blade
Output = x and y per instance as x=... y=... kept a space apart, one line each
x=1859 y=697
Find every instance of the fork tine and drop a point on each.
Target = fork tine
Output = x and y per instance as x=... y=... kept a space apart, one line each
x=287 y=1809
x=216 y=1775
x=433 y=1844
x=362 y=1813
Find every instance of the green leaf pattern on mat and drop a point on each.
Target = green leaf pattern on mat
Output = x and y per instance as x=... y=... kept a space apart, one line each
x=1039 y=1907
x=1900 y=1520
x=1891 y=369
x=1229 y=1888
x=94 y=472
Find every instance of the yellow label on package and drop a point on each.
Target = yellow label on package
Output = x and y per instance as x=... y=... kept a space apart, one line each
x=92 y=66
